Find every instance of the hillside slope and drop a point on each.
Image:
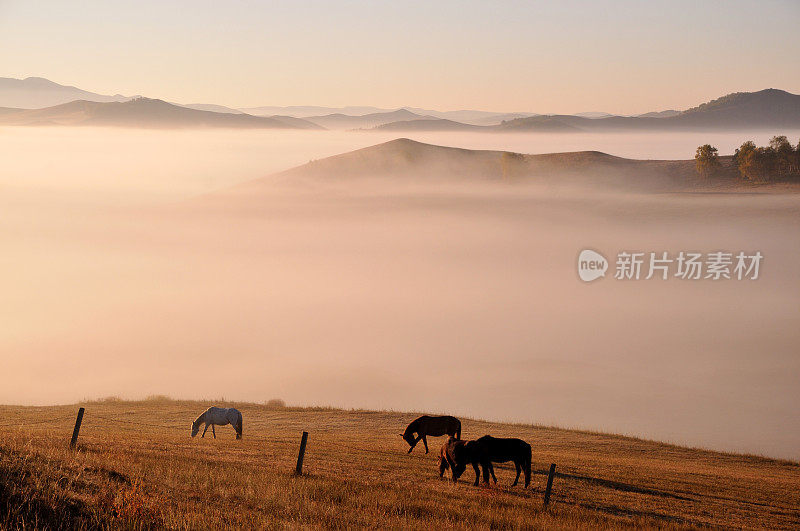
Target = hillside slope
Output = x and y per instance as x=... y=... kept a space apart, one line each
x=38 y=92
x=404 y=160
x=765 y=108
x=137 y=464
x=428 y=124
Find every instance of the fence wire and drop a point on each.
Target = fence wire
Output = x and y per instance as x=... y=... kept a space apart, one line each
x=90 y=418
x=23 y=422
x=88 y=421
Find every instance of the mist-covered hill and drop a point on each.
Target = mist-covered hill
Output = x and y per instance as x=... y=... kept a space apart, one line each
x=38 y=92
x=768 y=109
x=365 y=121
x=142 y=112
x=407 y=161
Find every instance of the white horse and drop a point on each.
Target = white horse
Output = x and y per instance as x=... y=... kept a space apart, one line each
x=219 y=416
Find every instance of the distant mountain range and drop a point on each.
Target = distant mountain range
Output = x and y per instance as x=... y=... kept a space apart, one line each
x=467 y=116
x=211 y=107
x=366 y=121
x=38 y=92
x=660 y=114
x=304 y=111
x=770 y=109
x=142 y=112
x=44 y=102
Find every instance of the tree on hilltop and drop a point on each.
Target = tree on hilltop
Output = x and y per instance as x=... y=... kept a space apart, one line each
x=706 y=160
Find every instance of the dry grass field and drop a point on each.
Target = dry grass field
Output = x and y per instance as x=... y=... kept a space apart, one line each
x=137 y=467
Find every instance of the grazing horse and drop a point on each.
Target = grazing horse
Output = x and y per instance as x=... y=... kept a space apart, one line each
x=219 y=416
x=488 y=449
x=433 y=426
x=455 y=454
x=452 y=456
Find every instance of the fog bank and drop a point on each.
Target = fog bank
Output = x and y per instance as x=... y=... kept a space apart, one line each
x=451 y=299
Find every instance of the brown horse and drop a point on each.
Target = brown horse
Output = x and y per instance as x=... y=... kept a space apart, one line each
x=488 y=449
x=453 y=456
x=433 y=426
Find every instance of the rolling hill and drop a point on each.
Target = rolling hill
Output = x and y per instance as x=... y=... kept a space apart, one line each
x=428 y=124
x=136 y=467
x=404 y=160
x=771 y=108
x=142 y=112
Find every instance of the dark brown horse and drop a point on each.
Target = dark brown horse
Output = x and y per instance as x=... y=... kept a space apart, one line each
x=453 y=456
x=433 y=426
x=488 y=450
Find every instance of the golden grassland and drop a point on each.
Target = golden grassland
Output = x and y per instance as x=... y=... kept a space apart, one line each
x=136 y=467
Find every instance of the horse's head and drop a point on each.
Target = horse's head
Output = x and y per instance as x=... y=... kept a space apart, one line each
x=195 y=428
x=408 y=437
x=443 y=464
x=460 y=452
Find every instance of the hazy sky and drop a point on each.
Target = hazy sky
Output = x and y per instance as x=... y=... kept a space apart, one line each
x=571 y=56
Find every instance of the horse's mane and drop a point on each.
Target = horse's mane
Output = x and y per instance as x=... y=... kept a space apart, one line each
x=199 y=419
x=412 y=427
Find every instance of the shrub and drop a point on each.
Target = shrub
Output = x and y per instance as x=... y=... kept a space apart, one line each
x=276 y=403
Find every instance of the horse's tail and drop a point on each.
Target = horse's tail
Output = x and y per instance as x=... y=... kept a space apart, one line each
x=526 y=466
x=239 y=426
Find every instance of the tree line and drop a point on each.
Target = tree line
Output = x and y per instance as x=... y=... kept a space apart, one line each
x=777 y=161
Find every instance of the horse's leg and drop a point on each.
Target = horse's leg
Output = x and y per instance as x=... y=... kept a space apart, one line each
x=477 y=473
x=491 y=471
x=487 y=467
x=213 y=432
x=519 y=469
x=425 y=442
x=452 y=464
x=205 y=430
x=526 y=469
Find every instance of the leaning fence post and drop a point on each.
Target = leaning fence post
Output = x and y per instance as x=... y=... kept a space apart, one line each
x=77 y=428
x=549 y=484
x=299 y=469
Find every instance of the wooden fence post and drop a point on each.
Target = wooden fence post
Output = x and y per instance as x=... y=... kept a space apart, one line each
x=299 y=470
x=549 y=484
x=77 y=428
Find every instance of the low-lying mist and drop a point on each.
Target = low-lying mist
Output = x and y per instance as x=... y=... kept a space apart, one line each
x=460 y=298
